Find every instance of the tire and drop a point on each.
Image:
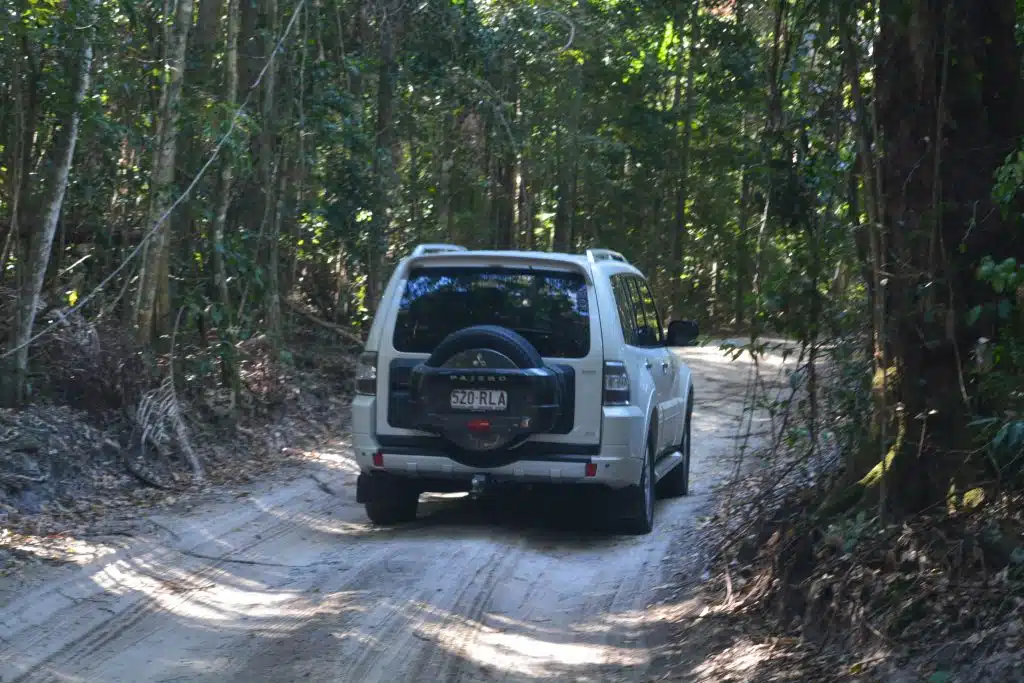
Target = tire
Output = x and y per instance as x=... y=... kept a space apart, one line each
x=638 y=517
x=539 y=397
x=398 y=507
x=677 y=482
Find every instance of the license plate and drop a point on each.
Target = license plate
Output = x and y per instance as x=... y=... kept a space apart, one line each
x=479 y=399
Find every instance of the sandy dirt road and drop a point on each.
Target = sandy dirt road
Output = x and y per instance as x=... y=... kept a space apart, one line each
x=286 y=581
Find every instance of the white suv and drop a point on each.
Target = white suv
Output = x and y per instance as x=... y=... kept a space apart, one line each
x=521 y=367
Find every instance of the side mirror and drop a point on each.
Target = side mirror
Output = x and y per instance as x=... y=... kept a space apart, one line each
x=682 y=332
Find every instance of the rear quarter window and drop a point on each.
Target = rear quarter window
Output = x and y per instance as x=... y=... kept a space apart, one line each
x=549 y=308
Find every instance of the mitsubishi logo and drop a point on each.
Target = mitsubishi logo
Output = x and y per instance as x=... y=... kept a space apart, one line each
x=479 y=361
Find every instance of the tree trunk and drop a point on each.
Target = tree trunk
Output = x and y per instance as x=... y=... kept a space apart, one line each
x=383 y=161
x=200 y=79
x=273 y=301
x=153 y=277
x=225 y=171
x=271 y=175
x=222 y=199
x=682 y=191
x=446 y=162
x=741 y=251
x=18 y=165
x=505 y=210
x=565 y=210
x=42 y=239
x=525 y=204
x=26 y=102
x=948 y=85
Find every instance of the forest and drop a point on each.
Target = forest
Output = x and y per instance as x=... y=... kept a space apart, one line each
x=181 y=178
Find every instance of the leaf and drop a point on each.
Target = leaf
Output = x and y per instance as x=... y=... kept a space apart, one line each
x=1004 y=309
x=973 y=315
x=940 y=677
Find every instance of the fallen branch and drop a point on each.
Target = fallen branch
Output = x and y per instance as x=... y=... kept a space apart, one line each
x=11 y=477
x=350 y=336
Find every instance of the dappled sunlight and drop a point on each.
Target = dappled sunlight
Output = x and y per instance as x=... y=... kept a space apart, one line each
x=514 y=648
x=58 y=548
x=739 y=659
x=516 y=653
x=338 y=457
x=655 y=614
x=216 y=595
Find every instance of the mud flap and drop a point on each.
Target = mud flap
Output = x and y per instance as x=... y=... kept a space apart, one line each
x=375 y=486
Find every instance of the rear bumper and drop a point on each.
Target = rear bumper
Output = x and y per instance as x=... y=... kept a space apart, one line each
x=613 y=463
x=608 y=470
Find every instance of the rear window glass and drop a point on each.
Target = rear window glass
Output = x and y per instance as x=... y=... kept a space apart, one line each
x=549 y=308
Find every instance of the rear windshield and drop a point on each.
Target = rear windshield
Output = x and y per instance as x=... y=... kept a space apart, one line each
x=549 y=308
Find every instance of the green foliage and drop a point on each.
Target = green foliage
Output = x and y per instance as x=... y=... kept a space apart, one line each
x=566 y=119
x=852 y=531
x=999 y=367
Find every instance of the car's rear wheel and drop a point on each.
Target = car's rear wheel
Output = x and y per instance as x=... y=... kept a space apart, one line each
x=396 y=504
x=638 y=517
x=677 y=482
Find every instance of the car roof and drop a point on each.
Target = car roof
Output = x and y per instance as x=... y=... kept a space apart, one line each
x=554 y=258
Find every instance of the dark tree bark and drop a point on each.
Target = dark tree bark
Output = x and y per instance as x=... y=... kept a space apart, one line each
x=948 y=81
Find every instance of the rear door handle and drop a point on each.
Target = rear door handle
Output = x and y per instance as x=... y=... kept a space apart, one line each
x=664 y=366
x=647 y=363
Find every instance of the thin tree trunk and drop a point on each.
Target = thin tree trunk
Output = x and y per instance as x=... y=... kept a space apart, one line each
x=225 y=180
x=201 y=82
x=525 y=204
x=682 y=193
x=272 y=175
x=225 y=174
x=742 y=251
x=506 y=170
x=152 y=278
x=565 y=211
x=42 y=240
x=383 y=159
x=446 y=162
x=17 y=165
x=273 y=301
x=26 y=102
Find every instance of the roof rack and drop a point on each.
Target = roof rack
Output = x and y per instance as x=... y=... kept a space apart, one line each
x=424 y=249
x=595 y=255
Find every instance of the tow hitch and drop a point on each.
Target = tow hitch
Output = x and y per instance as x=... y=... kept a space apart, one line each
x=478 y=485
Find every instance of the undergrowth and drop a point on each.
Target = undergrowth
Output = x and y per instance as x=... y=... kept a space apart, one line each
x=108 y=428
x=936 y=596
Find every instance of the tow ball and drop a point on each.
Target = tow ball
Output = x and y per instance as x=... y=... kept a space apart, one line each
x=478 y=484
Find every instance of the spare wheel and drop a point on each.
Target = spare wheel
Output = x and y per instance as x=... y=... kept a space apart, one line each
x=486 y=388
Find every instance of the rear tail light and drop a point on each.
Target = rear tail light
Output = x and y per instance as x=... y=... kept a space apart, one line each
x=616 y=383
x=366 y=374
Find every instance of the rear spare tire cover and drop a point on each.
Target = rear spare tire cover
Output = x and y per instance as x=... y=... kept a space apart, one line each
x=486 y=388
x=502 y=340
